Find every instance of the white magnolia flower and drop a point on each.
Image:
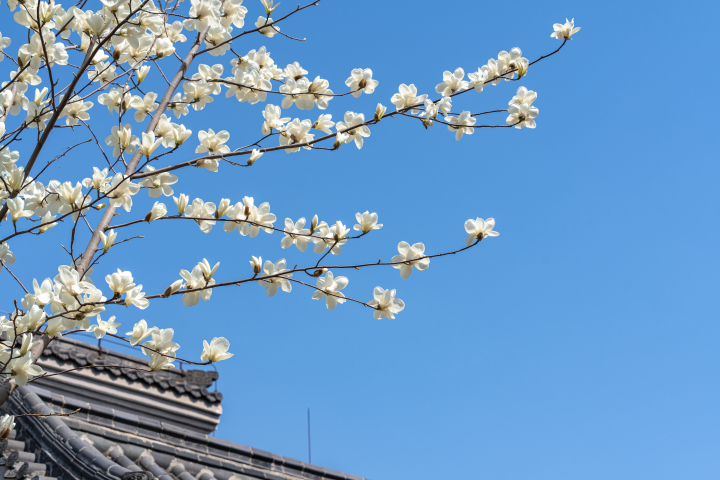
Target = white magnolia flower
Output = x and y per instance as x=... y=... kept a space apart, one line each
x=212 y=142
x=256 y=263
x=563 y=32
x=296 y=234
x=458 y=124
x=16 y=207
x=249 y=219
x=22 y=369
x=522 y=116
x=140 y=332
x=330 y=287
x=272 y=114
x=181 y=203
x=233 y=13
x=215 y=351
x=135 y=296
x=4 y=43
x=523 y=95
x=7 y=422
x=407 y=97
x=76 y=111
x=149 y=144
x=356 y=130
x=160 y=362
x=478 y=79
x=367 y=221
x=104 y=327
x=121 y=190
x=271 y=284
x=379 y=111
x=199 y=209
x=410 y=256
x=478 y=229
x=161 y=341
x=267 y=31
x=6 y=256
x=294 y=71
x=296 y=132
x=385 y=303
x=108 y=239
x=120 y=282
x=254 y=155
x=158 y=211
x=269 y=7
x=122 y=140
x=158 y=184
x=42 y=293
x=144 y=106
x=452 y=82
x=324 y=123
x=200 y=277
x=361 y=81
x=513 y=61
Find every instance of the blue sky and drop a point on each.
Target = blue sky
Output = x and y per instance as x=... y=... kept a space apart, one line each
x=580 y=343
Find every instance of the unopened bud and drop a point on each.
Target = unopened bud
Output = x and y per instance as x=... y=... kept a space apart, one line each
x=313 y=224
x=99 y=206
x=380 y=111
x=254 y=156
x=522 y=70
x=319 y=272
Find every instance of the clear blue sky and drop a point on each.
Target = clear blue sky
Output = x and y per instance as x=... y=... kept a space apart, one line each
x=581 y=343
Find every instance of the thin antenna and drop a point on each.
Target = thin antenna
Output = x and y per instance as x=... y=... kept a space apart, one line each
x=309 y=444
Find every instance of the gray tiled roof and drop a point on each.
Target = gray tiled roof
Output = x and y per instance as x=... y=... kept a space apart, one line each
x=104 y=443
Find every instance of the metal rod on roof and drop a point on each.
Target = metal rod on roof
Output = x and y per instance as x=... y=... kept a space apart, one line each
x=309 y=443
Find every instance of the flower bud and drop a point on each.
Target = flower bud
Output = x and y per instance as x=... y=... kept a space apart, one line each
x=181 y=203
x=142 y=72
x=99 y=206
x=158 y=210
x=256 y=264
x=222 y=208
x=319 y=272
x=379 y=111
x=177 y=285
x=254 y=156
x=313 y=224
x=522 y=69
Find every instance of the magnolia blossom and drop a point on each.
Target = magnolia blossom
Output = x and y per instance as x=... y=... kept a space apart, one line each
x=267 y=31
x=367 y=221
x=6 y=256
x=108 y=239
x=7 y=422
x=564 y=32
x=522 y=116
x=212 y=142
x=355 y=129
x=199 y=278
x=513 y=61
x=458 y=124
x=407 y=97
x=104 y=327
x=159 y=184
x=410 y=256
x=144 y=106
x=216 y=350
x=385 y=303
x=140 y=332
x=158 y=211
x=329 y=288
x=120 y=282
x=135 y=296
x=296 y=132
x=324 y=123
x=76 y=111
x=272 y=114
x=523 y=95
x=121 y=190
x=122 y=140
x=361 y=81
x=271 y=284
x=295 y=234
x=22 y=369
x=452 y=82
x=149 y=144
x=249 y=219
x=478 y=229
